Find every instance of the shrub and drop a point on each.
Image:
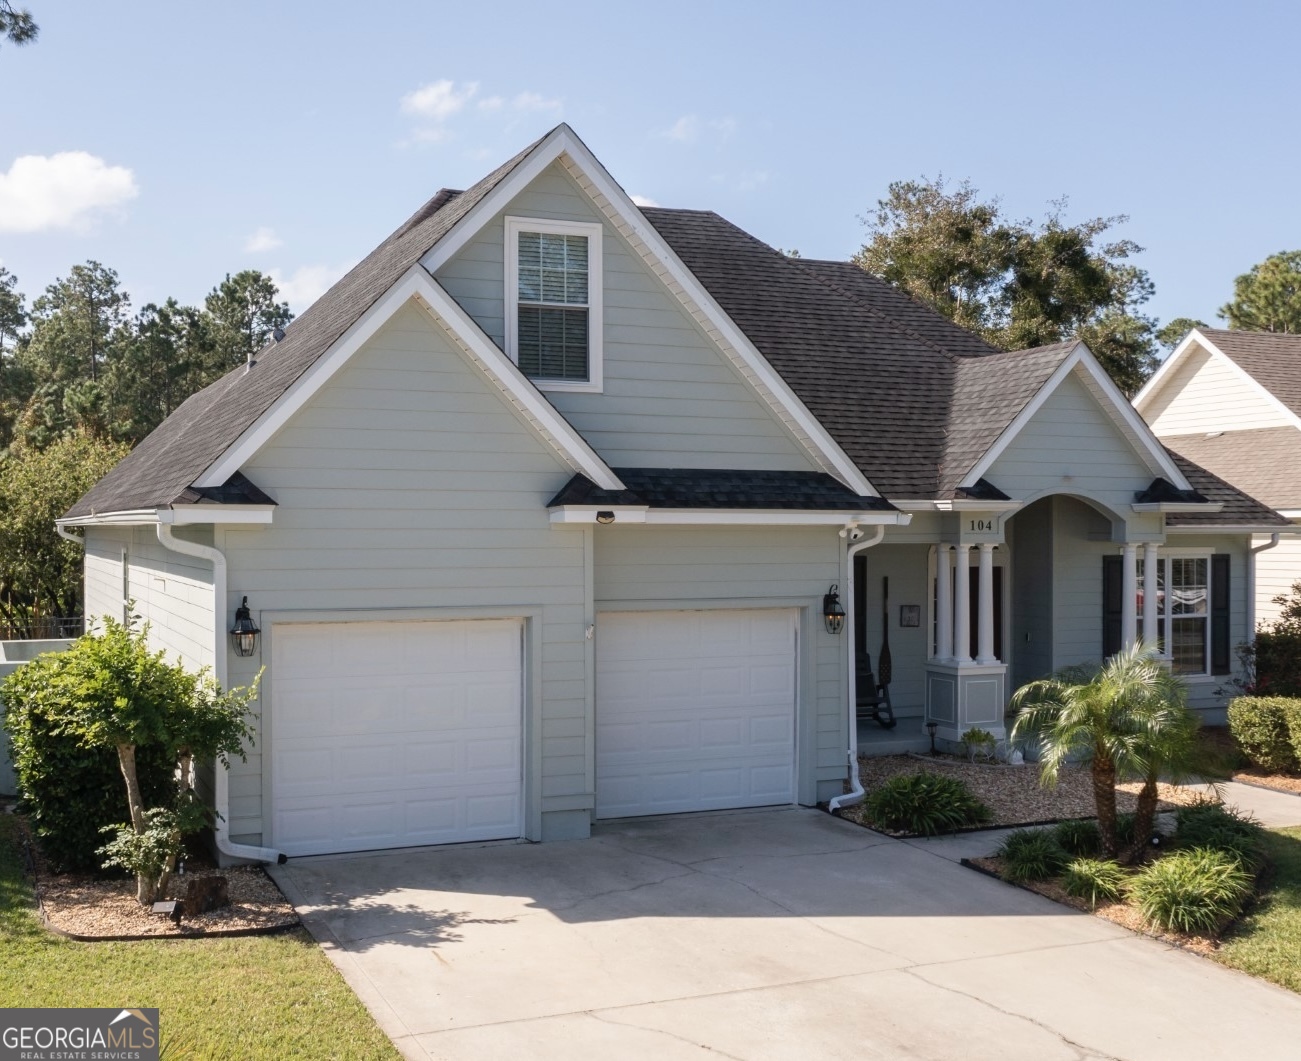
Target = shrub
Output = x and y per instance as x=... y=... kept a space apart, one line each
x=1032 y=854
x=1079 y=837
x=925 y=804
x=1192 y=891
x=1093 y=879
x=1260 y=726
x=1125 y=830
x=1213 y=826
x=70 y=792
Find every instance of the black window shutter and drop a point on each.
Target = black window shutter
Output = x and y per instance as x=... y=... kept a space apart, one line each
x=1113 y=603
x=1221 y=655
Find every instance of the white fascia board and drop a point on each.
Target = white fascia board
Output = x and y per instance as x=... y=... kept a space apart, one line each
x=1178 y=506
x=969 y=505
x=677 y=277
x=587 y=513
x=136 y=517
x=184 y=514
x=1238 y=528
x=1149 y=389
x=773 y=518
x=1156 y=458
x=418 y=285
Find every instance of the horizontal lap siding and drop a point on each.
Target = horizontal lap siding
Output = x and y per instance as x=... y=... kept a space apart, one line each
x=1206 y=393
x=1276 y=570
x=407 y=482
x=671 y=399
x=103 y=571
x=709 y=567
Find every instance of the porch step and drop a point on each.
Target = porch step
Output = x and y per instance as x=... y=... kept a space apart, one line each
x=873 y=740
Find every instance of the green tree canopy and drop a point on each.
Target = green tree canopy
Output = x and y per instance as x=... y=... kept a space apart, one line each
x=17 y=24
x=1267 y=298
x=241 y=314
x=1016 y=283
x=1172 y=334
x=40 y=573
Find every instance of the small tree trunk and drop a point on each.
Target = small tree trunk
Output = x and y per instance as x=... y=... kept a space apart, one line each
x=1104 y=799
x=126 y=757
x=1144 y=816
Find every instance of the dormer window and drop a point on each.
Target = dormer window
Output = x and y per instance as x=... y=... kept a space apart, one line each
x=553 y=302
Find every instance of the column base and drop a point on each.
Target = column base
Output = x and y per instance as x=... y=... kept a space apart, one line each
x=960 y=696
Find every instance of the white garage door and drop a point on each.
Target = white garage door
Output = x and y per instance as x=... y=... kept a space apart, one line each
x=694 y=711
x=388 y=734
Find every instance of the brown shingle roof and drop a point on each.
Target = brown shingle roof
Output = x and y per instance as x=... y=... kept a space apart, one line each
x=1265 y=462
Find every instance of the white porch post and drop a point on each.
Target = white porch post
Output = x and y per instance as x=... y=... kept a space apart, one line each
x=985 y=606
x=1129 y=595
x=944 y=602
x=1150 y=602
x=962 y=605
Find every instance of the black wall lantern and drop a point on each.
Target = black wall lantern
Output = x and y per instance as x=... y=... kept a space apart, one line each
x=244 y=632
x=832 y=613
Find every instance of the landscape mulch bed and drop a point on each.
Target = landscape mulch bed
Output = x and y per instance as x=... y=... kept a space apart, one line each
x=1013 y=793
x=91 y=908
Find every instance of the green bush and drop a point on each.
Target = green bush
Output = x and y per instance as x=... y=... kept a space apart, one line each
x=69 y=792
x=1125 y=830
x=1093 y=879
x=1278 y=658
x=1211 y=825
x=1192 y=891
x=1032 y=854
x=925 y=804
x=1079 y=837
x=1260 y=726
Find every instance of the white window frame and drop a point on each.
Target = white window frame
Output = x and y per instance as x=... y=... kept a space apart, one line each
x=1166 y=617
x=594 y=232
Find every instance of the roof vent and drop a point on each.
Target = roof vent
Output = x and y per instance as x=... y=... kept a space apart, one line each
x=1214 y=434
x=278 y=334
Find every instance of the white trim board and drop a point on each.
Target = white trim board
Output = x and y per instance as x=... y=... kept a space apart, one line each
x=727 y=517
x=1082 y=362
x=418 y=285
x=1195 y=338
x=563 y=145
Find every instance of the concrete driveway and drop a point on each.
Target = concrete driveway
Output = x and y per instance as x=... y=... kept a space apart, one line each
x=757 y=934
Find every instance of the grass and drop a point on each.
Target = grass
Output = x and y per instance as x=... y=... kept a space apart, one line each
x=254 y=996
x=1267 y=942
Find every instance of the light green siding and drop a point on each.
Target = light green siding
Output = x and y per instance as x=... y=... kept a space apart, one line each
x=728 y=567
x=670 y=398
x=407 y=483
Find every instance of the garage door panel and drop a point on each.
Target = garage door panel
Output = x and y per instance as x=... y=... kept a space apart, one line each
x=695 y=710
x=390 y=734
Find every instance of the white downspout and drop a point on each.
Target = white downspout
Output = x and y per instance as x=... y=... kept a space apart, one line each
x=222 y=795
x=65 y=533
x=1251 y=582
x=856 y=791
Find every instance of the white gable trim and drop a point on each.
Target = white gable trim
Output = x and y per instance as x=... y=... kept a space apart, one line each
x=563 y=145
x=1195 y=338
x=1095 y=377
x=418 y=285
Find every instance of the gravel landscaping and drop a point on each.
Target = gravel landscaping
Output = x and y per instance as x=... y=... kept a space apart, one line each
x=1012 y=793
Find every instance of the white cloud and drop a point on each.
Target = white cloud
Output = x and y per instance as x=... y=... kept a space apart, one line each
x=533 y=101
x=305 y=284
x=264 y=239
x=438 y=100
x=691 y=127
x=65 y=190
x=643 y=200
x=491 y=103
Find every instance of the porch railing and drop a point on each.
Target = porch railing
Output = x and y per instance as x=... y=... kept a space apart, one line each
x=43 y=628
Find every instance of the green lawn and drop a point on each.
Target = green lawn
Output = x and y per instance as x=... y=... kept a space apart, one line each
x=1267 y=943
x=250 y=997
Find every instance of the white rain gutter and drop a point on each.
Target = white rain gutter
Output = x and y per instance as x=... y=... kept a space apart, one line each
x=856 y=791
x=222 y=795
x=65 y=533
x=1251 y=582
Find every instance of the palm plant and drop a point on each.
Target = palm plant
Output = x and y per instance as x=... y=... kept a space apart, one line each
x=1127 y=718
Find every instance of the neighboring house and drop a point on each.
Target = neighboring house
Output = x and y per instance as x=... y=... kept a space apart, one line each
x=537 y=507
x=1231 y=402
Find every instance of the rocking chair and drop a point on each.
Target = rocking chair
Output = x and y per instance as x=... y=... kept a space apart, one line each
x=872 y=698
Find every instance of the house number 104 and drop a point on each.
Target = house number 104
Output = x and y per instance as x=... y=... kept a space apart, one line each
x=982 y=524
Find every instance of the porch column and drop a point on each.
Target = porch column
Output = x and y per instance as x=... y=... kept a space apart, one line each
x=1150 y=601
x=1129 y=595
x=961 y=605
x=944 y=603
x=985 y=606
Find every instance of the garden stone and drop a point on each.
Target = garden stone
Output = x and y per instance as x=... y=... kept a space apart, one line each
x=203 y=894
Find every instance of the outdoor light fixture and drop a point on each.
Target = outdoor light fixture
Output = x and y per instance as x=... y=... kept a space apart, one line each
x=832 y=613
x=605 y=517
x=931 y=727
x=244 y=632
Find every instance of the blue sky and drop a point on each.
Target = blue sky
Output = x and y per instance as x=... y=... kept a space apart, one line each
x=198 y=139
